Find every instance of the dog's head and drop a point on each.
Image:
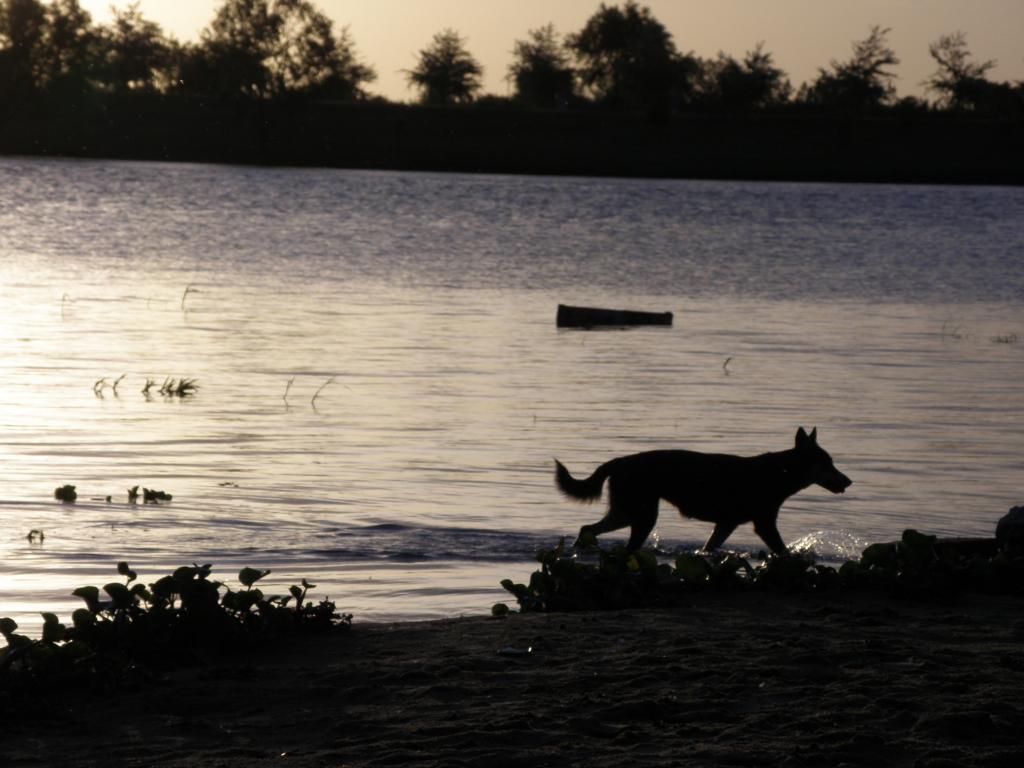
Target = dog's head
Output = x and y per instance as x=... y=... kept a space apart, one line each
x=817 y=464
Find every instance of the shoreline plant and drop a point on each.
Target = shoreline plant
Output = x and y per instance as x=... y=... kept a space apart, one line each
x=917 y=565
x=128 y=629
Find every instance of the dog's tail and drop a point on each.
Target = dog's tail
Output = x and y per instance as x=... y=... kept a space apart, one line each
x=581 y=490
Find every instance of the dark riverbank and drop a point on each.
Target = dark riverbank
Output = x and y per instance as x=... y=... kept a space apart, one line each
x=912 y=147
x=727 y=679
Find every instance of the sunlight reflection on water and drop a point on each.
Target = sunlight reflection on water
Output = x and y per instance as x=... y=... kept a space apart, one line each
x=830 y=546
x=422 y=476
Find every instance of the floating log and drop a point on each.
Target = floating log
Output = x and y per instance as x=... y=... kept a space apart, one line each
x=588 y=317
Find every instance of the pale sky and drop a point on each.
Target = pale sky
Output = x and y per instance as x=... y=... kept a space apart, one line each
x=802 y=35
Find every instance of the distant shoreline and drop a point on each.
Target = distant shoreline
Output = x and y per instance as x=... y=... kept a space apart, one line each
x=912 y=148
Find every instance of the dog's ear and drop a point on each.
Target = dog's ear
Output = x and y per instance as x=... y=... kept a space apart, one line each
x=801 y=437
x=814 y=435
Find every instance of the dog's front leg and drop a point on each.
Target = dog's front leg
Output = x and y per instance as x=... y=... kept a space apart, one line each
x=769 y=534
x=719 y=535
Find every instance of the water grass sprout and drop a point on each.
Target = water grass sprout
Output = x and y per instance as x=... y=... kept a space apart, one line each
x=171 y=387
x=181 y=388
x=950 y=331
x=102 y=384
x=188 y=289
x=186 y=388
x=323 y=386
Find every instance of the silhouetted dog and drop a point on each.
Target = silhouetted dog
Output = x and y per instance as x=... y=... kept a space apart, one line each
x=718 y=488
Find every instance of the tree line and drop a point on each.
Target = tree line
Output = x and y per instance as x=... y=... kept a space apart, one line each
x=622 y=59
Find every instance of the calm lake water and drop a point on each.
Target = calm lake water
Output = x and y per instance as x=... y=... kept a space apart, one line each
x=419 y=310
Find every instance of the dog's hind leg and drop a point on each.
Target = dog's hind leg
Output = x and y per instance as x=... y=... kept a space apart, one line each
x=625 y=508
x=610 y=522
x=644 y=516
x=719 y=535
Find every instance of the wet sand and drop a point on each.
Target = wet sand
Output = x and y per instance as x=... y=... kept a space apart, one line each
x=726 y=680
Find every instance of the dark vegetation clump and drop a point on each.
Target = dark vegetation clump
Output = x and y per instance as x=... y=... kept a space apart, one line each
x=917 y=565
x=65 y=494
x=129 y=632
x=149 y=496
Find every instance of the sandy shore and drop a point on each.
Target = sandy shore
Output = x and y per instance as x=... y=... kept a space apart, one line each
x=739 y=679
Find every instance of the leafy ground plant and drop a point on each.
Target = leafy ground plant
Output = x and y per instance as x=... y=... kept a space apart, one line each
x=127 y=628
x=916 y=565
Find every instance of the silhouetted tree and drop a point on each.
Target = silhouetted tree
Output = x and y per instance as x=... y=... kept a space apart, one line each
x=446 y=73
x=70 y=46
x=274 y=47
x=344 y=75
x=138 y=55
x=540 y=69
x=861 y=84
x=235 y=47
x=309 y=58
x=754 y=83
x=961 y=83
x=22 y=25
x=627 y=59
